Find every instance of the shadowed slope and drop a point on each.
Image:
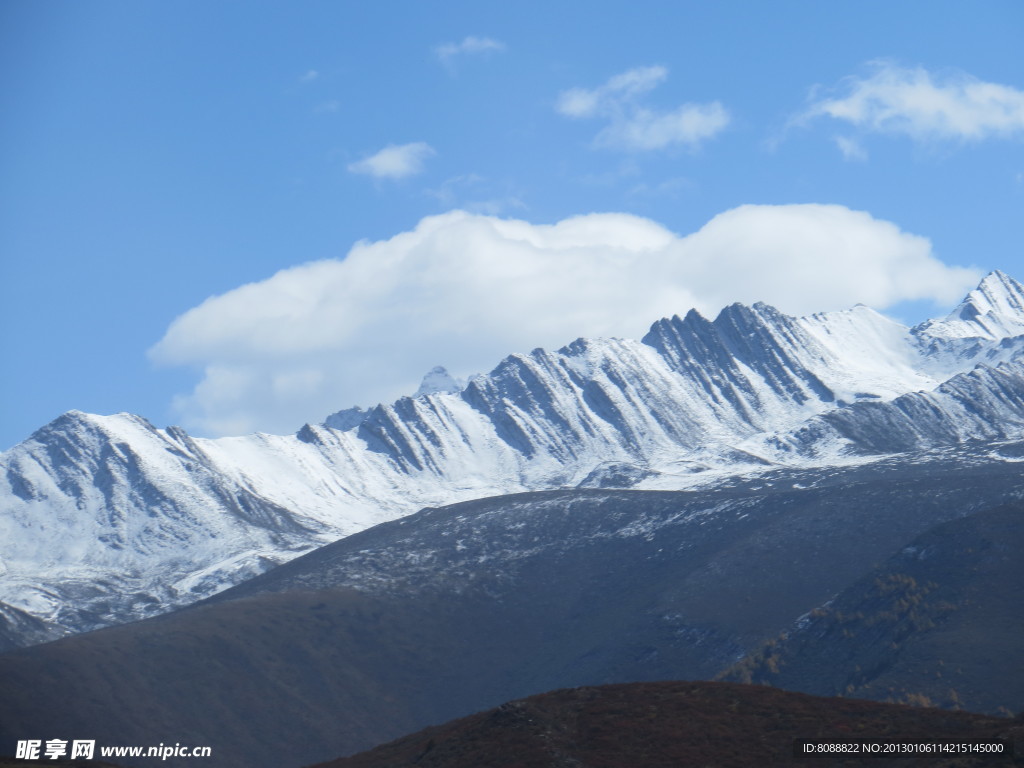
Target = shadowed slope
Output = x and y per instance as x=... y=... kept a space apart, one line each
x=939 y=623
x=673 y=724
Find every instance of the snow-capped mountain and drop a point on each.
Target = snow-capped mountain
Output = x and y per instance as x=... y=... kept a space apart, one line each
x=107 y=518
x=454 y=609
x=439 y=380
x=994 y=310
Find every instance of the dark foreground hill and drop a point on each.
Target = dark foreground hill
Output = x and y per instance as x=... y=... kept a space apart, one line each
x=674 y=724
x=458 y=609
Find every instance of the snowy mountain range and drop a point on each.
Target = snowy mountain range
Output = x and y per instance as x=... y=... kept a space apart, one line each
x=888 y=580
x=105 y=519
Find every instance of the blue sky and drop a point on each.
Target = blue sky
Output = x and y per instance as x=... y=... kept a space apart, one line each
x=166 y=170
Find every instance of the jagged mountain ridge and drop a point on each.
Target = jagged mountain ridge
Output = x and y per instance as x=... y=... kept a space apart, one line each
x=107 y=518
x=993 y=310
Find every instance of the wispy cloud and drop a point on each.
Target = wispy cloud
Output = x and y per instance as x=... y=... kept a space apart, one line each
x=851 y=148
x=395 y=161
x=647 y=129
x=613 y=95
x=925 y=106
x=449 y=192
x=470 y=45
x=632 y=126
x=309 y=76
x=473 y=193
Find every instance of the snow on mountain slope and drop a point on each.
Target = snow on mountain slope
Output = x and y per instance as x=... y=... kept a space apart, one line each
x=106 y=514
x=18 y=628
x=866 y=355
x=984 y=404
x=105 y=518
x=994 y=310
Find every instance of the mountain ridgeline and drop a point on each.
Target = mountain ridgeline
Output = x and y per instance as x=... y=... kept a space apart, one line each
x=107 y=519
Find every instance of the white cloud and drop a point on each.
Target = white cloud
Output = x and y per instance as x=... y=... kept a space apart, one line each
x=578 y=102
x=925 y=106
x=613 y=95
x=851 y=148
x=470 y=45
x=473 y=193
x=464 y=290
x=646 y=130
x=309 y=76
x=395 y=161
x=632 y=126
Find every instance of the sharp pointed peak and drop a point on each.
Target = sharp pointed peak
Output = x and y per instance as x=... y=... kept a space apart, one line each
x=693 y=315
x=671 y=325
x=993 y=310
x=997 y=291
x=997 y=281
x=437 y=379
x=76 y=417
x=998 y=274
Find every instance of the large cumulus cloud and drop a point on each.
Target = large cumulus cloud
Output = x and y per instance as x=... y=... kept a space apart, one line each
x=463 y=290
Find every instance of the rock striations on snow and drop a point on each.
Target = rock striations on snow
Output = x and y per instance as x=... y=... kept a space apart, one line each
x=994 y=310
x=104 y=519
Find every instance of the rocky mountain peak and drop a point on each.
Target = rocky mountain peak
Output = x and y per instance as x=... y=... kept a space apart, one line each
x=437 y=379
x=993 y=311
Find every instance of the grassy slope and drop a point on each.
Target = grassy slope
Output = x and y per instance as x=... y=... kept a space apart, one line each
x=667 y=725
x=940 y=623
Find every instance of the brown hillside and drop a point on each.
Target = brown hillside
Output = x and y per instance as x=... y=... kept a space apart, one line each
x=674 y=724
